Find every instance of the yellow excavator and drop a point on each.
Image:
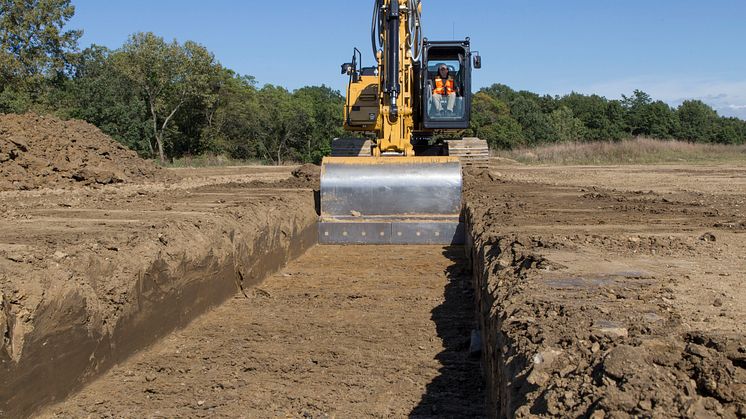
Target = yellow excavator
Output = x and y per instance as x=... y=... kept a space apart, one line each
x=404 y=185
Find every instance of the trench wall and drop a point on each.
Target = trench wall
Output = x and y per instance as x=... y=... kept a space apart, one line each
x=69 y=346
x=503 y=366
x=556 y=350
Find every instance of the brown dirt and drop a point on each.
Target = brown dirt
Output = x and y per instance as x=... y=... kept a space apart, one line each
x=306 y=176
x=302 y=177
x=600 y=292
x=612 y=292
x=308 y=172
x=45 y=152
x=335 y=334
x=88 y=276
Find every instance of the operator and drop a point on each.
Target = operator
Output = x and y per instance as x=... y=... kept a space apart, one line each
x=444 y=86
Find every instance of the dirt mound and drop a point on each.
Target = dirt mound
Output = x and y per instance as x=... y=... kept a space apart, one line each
x=307 y=176
x=475 y=177
x=308 y=172
x=46 y=152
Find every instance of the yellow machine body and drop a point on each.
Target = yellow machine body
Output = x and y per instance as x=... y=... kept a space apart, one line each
x=364 y=114
x=371 y=109
x=392 y=195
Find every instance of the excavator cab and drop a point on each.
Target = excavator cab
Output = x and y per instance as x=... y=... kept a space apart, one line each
x=457 y=57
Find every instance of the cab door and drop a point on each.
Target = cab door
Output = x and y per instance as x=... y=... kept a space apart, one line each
x=445 y=111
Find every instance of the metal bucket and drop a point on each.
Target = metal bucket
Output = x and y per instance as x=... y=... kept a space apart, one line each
x=391 y=200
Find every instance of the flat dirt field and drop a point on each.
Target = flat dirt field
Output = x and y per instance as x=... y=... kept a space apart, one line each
x=596 y=291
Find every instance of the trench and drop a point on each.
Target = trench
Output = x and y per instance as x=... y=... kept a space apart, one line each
x=394 y=324
x=330 y=335
x=352 y=331
x=502 y=368
x=69 y=346
x=572 y=329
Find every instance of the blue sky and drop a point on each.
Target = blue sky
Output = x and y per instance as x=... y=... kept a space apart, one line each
x=672 y=49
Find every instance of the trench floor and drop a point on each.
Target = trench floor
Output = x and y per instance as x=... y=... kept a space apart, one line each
x=343 y=331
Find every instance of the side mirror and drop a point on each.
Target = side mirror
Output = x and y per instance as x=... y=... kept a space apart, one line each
x=347 y=68
x=477 y=61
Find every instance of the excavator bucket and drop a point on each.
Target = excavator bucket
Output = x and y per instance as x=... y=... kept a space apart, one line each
x=391 y=200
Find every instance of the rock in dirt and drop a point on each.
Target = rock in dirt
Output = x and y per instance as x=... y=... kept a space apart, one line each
x=46 y=152
x=611 y=329
x=708 y=237
x=622 y=360
x=542 y=363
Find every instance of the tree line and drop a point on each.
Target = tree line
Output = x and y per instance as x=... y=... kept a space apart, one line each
x=167 y=99
x=163 y=99
x=508 y=119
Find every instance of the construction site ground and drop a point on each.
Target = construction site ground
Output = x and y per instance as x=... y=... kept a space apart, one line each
x=612 y=291
x=599 y=291
x=341 y=332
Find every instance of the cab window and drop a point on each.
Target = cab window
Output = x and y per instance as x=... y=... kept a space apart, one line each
x=444 y=107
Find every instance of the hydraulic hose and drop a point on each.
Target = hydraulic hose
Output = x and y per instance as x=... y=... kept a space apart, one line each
x=375 y=27
x=388 y=22
x=415 y=29
x=392 y=57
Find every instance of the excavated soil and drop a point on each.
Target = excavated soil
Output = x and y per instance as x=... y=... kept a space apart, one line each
x=341 y=332
x=597 y=292
x=306 y=176
x=612 y=292
x=88 y=275
x=45 y=152
x=103 y=253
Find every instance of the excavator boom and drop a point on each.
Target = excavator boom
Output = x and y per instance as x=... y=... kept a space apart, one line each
x=398 y=189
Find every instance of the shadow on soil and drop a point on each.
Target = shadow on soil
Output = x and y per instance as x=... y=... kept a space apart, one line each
x=459 y=389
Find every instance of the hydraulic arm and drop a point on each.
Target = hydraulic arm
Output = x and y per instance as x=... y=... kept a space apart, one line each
x=391 y=191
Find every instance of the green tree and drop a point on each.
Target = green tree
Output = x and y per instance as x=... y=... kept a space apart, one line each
x=492 y=122
x=325 y=108
x=99 y=93
x=614 y=126
x=730 y=131
x=169 y=75
x=284 y=125
x=233 y=119
x=696 y=121
x=566 y=126
x=648 y=118
x=602 y=119
x=661 y=120
x=536 y=125
x=34 y=48
x=637 y=108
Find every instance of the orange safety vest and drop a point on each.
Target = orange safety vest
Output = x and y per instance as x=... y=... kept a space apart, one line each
x=444 y=89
